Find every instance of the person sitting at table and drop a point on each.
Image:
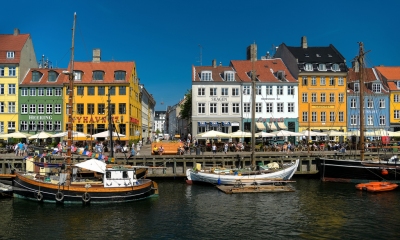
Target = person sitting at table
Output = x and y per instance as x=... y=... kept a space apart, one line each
x=160 y=150
x=155 y=150
x=181 y=150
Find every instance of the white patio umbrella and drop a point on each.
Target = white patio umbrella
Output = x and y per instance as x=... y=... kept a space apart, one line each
x=284 y=133
x=353 y=133
x=15 y=135
x=311 y=133
x=265 y=134
x=74 y=134
x=241 y=134
x=213 y=134
x=41 y=135
x=333 y=133
x=107 y=134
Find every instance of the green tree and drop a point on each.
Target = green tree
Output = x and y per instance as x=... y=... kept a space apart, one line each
x=186 y=106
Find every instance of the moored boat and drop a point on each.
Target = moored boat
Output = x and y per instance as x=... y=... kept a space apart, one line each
x=377 y=186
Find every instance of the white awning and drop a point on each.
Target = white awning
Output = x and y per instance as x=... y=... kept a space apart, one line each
x=271 y=126
x=260 y=125
x=282 y=125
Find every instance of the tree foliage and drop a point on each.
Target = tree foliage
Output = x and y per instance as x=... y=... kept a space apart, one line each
x=186 y=106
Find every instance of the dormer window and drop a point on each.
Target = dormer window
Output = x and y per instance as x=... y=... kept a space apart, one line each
x=335 y=67
x=206 y=76
x=119 y=75
x=36 y=76
x=308 y=67
x=10 y=54
x=78 y=75
x=229 y=76
x=322 y=67
x=52 y=76
x=356 y=87
x=376 y=87
x=318 y=55
x=98 y=75
x=398 y=84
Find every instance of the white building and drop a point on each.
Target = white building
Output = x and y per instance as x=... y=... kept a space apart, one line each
x=148 y=104
x=159 y=121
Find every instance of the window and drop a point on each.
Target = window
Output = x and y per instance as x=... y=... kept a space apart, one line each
x=111 y=91
x=206 y=76
x=49 y=126
x=1 y=71
x=370 y=121
x=90 y=90
x=2 y=107
x=356 y=87
x=122 y=90
x=11 y=71
x=40 y=126
x=79 y=127
x=90 y=108
x=224 y=91
x=382 y=103
x=80 y=108
x=36 y=76
x=341 y=97
x=246 y=107
x=122 y=108
x=80 y=90
x=370 y=103
x=101 y=91
x=1 y=89
x=213 y=91
x=98 y=75
x=269 y=108
x=11 y=89
x=90 y=129
x=341 y=81
x=40 y=108
x=235 y=91
x=57 y=109
x=382 y=120
x=32 y=125
x=335 y=67
x=353 y=120
x=49 y=92
x=119 y=75
x=229 y=76
x=396 y=98
x=376 y=87
x=24 y=92
x=308 y=67
x=57 y=125
x=331 y=81
x=322 y=67
x=396 y=114
x=279 y=107
x=290 y=107
x=258 y=90
x=24 y=108
x=290 y=90
x=11 y=107
x=78 y=75
x=40 y=92
x=52 y=76
x=246 y=90
x=304 y=97
x=268 y=90
x=353 y=103
x=322 y=81
x=49 y=108
x=323 y=116
x=341 y=116
x=331 y=97
x=235 y=108
x=24 y=126
x=57 y=91
x=10 y=54
x=32 y=92
x=32 y=108
x=201 y=91
x=258 y=108
x=224 y=108
x=11 y=127
x=101 y=108
x=112 y=108
x=122 y=128
x=313 y=116
x=331 y=116
x=279 y=90
x=201 y=108
x=305 y=117
x=2 y=127
x=304 y=82
x=213 y=108
x=323 y=97
x=313 y=81
x=313 y=97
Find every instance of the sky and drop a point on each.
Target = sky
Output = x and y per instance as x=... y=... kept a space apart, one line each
x=166 y=38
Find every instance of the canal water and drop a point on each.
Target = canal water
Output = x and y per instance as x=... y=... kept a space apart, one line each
x=316 y=210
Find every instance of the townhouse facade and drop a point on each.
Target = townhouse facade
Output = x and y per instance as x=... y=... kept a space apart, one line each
x=17 y=55
x=159 y=121
x=148 y=104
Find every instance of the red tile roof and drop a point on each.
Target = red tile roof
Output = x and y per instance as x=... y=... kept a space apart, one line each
x=354 y=76
x=13 y=43
x=43 y=81
x=389 y=73
x=393 y=86
x=108 y=67
x=266 y=70
x=217 y=72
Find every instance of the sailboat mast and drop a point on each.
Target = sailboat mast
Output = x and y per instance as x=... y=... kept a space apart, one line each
x=70 y=103
x=361 y=77
x=253 y=111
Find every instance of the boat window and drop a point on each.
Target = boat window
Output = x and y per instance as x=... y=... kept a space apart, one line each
x=108 y=174
x=124 y=174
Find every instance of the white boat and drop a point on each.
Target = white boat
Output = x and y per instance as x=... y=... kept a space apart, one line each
x=231 y=177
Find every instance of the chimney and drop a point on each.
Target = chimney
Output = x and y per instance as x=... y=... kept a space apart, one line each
x=252 y=52
x=214 y=63
x=304 y=42
x=16 y=31
x=355 y=65
x=96 y=55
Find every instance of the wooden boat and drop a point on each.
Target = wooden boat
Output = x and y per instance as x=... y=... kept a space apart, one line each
x=115 y=184
x=377 y=186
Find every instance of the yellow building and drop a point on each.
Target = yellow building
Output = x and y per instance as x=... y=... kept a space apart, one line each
x=94 y=83
x=16 y=57
x=322 y=77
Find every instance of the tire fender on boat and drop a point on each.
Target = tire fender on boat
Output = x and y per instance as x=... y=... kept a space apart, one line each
x=59 y=196
x=86 y=197
x=39 y=196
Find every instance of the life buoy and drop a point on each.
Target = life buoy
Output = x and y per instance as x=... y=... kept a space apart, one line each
x=39 y=196
x=59 y=196
x=86 y=197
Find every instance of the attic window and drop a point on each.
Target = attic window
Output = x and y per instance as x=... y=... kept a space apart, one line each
x=52 y=76
x=98 y=75
x=308 y=67
x=318 y=55
x=398 y=84
x=329 y=55
x=322 y=67
x=10 y=54
x=206 y=76
x=36 y=76
x=78 y=75
x=306 y=55
x=119 y=75
x=335 y=67
x=229 y=76
x=376 y=87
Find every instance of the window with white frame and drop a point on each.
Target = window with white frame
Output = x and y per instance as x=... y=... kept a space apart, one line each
x=290 y=90
x=24 y=126
x=11 y=71
x=32 y=125
x=40 y=92
x=2 y=127
x=308 y=67
x=40 y=126
x=304 y=97
x=1 y=71
x=57 y=92
x=49 y=92
x=57 y=109
x=32 y=108
x=49 y=108
x=11 y=126
x=322 y=67
x=279 y=107
x=370 y=120
x=24 y=92
x=11 y=107
x=341 y=116
x=382 y=120
x=353 y=120
x=279 y=90
x=201 y=108
x=258 y=107
x=313 y=80
x=1 y=89
x=341 y=81
x=335 y=67
x=331 y=97
x=353 y=103
x=313 y=97
x=290 y=107
x=57 y=125
x=322 y=81
x=341 y=97
x=370 y=103
x=235 y=91
x=396 y=98
x=11 y=89
x=206 y=76
x=356 y=87
x=258 y=90
x=10 y=54
x=40 y=108
x=268 y=90
x=396 y=114
x=323 y=116
x=229 y=76
x=246 y=90
x=331 y=81
x=2 y=107
x=304 y=116
x=77 y=75
x=213 y=91
x=382 y=103
x=235 y=108
x=24 y=108
x=269 y=108
x=224 y=108
x=304 y=81
x=246 y=107
x=49 y=126
x=376 y=87
x=331 y=116
x=313 y=116
x=224 y=92
x=201 y=91
x=32 y=92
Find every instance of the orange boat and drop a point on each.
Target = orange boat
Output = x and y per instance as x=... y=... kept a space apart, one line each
x=377 y=186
